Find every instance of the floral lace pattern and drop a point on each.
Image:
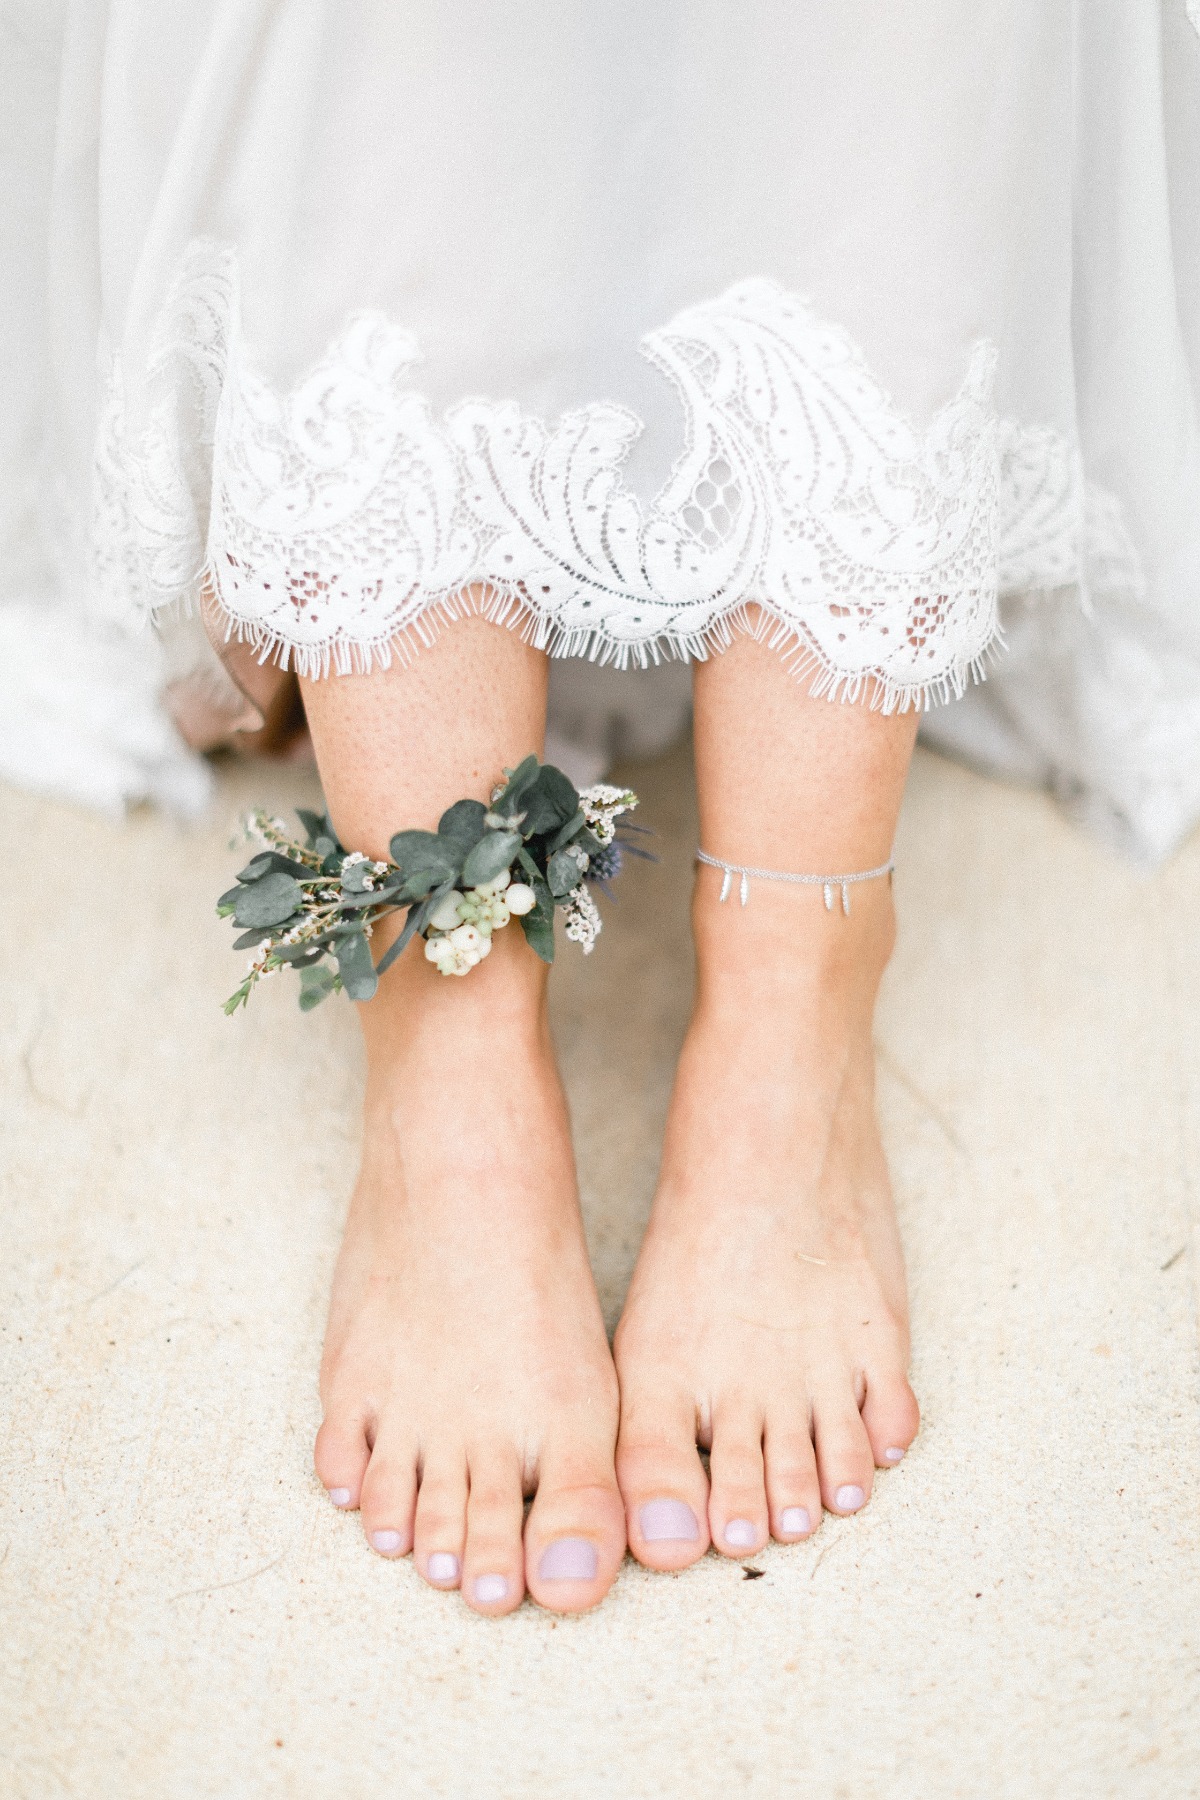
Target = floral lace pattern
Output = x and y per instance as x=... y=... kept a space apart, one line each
x=338 y=518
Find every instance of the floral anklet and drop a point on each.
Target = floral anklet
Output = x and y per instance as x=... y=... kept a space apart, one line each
x=537 y=846
x=828 y=882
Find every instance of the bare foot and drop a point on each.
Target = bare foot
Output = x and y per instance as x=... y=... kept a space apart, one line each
x=767 y=1318
x=466 y=1365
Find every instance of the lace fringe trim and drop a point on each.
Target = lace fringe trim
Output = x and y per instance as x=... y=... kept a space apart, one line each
x=513 y=610
x=341 y=524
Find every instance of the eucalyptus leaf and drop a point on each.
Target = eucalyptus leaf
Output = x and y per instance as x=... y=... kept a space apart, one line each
x=354 y=878
x=461 y=825
x=315 y=824
x=419 y=853
x=549 y=803
x=229 y=898
x=493 y=853
x=249 y=938
x=299 y=954
x=270 y=862
x=563 y=873
x=418 y=917
x=512 y=795
x=422 y=883
x=269 y=901
x=315 y=985
x=356 y=967
x=570 y=830
x=539 y=935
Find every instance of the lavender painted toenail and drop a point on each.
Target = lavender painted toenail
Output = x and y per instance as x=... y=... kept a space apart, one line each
x=388 y=1542
x=569 y=1559
x=340 y=1496
x=668 y=1521
x=892 y=1455
x=442 y=1566
x=795 y=1518
x=849 y=1499
x=740 y=1534
x=488 y=1589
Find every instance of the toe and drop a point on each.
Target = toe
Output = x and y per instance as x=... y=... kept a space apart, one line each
x=493 y=1576
x=341 y=1455
x=662 y=1480
x=389 y=1495
x=844 y=1460
x=575 y=1533
x=737 y=1506
x=793 y=1488
x=891 y=1416
x=440 y=1526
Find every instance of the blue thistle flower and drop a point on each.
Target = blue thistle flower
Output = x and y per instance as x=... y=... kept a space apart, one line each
x=605 y=864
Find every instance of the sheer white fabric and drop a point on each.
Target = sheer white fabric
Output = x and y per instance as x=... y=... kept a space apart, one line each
x=618 y=321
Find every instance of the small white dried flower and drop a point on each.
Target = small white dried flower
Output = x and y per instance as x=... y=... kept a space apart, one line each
x=582 y=919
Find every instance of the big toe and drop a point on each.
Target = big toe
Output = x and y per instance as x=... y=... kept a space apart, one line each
x=891 y=1416
x=575 y=1532
x=341 y=1454
x=662 y=1479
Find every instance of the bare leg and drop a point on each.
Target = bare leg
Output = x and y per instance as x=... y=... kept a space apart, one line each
x=465 y=1364
x=767 y=1316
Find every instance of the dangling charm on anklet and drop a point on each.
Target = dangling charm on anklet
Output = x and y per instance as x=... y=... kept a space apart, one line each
x=825 y=882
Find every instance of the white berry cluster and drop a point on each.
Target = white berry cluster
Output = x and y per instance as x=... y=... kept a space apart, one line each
x=459 y=934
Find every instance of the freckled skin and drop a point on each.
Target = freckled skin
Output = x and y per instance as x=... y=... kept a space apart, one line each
x=767 y=1318
x=465 y=1364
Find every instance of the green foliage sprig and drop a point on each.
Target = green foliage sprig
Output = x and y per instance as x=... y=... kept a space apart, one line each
x=312 y=905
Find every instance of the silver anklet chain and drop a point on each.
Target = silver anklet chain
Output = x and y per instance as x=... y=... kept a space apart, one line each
x=828 y=882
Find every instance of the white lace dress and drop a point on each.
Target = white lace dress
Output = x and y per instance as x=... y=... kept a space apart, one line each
x=615 y=320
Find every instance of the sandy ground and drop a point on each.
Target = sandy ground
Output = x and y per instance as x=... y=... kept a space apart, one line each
x=1017 y=1612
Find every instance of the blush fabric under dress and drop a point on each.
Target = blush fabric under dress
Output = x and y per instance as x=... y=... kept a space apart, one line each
x=619 y=321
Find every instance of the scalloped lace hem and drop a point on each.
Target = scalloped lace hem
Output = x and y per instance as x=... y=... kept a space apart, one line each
x=342 y=522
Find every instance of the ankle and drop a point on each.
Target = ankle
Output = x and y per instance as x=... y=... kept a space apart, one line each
x=785 y=951
x=497 y=1014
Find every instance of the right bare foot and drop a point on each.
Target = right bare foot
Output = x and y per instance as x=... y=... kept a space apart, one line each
x=466 y=1365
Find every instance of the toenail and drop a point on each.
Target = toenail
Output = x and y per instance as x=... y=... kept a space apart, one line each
x=442 y=1566
x=386 y=1541
x=741 y=1534
x=795 y=1519
x=487 y=1589
x=668 y=1521
x=340 y=1496
x=849 y=1499
x=569 y=1559
x=892 y=1455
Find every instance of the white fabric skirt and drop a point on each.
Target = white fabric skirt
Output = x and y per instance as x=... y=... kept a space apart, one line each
x=625 y=323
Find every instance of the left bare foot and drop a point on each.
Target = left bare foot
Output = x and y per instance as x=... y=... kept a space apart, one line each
x=767 y=1317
